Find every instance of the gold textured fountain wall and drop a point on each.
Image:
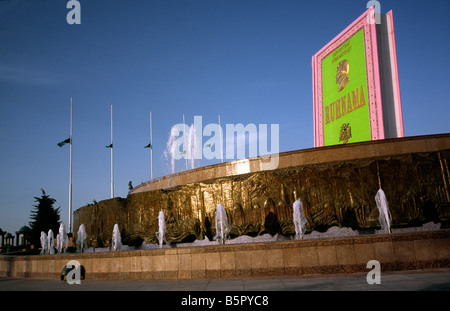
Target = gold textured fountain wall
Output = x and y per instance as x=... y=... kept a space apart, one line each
x=337 y=186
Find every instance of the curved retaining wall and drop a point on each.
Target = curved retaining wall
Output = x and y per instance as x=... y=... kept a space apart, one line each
x=321 y=256
x=337 y=186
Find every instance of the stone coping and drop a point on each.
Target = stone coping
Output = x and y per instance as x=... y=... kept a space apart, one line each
x=395 y=252
x=353 y=151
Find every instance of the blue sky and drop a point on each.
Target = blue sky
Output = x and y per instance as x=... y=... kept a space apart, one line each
x=247 y=60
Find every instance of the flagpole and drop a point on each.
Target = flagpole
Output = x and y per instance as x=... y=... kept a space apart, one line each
x=70 y=169
x=151 y=148
x=185 y=141
x=112 y=158
x=221 y=143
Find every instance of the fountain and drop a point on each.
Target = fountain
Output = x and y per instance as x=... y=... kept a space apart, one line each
x=188 y=140
x=51 y=242
x=222 y=226
x=116 y=239
x=193 y=144
x=81 y=238
x=62 y=241
x=385 y=217
x=170 y=152
x=44 y=243
x=257 y=201
x=299 y=220
x=161 y=234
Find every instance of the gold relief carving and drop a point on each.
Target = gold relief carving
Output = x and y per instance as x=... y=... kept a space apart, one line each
x=333 y=194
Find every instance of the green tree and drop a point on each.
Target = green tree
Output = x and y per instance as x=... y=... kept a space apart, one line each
x=44 y=217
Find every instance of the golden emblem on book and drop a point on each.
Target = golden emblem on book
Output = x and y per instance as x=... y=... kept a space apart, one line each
x=346 y=133
x=342 y=74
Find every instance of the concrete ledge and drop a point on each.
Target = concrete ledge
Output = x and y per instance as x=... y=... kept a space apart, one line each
x=322 y=256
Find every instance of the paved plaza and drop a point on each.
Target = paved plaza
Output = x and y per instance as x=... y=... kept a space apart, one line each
x=420 y=280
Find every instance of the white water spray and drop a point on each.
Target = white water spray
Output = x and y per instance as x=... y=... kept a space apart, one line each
x=51 y=242
x=188 y=141
x=192 y=145
x=161 y=234
x=170 y=151
x=116 y=239
x=384 y=217
x=62 y=241
x=81 y=238
x=299 y=220
x=44 y=243
x=222 y=226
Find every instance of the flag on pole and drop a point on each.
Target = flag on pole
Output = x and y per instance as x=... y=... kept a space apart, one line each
x=110 y=146
x=67 y=141
x=151 y=148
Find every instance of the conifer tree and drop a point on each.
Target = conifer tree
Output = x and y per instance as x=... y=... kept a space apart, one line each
x=44 y=217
